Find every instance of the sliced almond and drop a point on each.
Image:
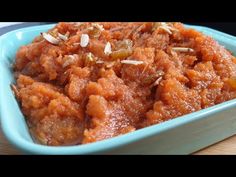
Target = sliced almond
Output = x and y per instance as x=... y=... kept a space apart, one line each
x=84 y=41
x=70 y=59
x=63 y=37
x=157 y=82
x=164 y=26
x=132 y=62
x=107 y=49
x=98 y=26
x=99 y=62
x=50 y=38
x=182 y=49
x=165 y=29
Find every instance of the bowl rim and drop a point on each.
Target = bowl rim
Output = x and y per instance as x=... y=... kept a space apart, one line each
x=111 y=143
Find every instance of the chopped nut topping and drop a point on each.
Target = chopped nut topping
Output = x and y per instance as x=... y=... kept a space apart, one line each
x=84 y=41
x=64 y=37
x=107 y=49
x=132 y=62
x=70 y=59
x=50 y=38
x=182 y=49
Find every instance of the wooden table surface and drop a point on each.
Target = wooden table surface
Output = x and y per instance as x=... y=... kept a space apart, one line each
x=225 y=147
x=5 y=147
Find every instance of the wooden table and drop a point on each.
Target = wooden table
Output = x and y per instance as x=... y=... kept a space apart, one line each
x=5 y=147
x=227 y=146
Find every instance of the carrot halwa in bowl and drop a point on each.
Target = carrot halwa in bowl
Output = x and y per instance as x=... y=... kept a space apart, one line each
x=85 y=82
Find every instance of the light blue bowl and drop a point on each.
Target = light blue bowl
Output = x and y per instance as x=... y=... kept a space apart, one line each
x=182 y=135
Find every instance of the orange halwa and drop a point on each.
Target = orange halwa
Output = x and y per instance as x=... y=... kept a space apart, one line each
x=85 y=82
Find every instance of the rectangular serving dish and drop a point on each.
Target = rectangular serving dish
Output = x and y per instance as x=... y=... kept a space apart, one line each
x=182 y=135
